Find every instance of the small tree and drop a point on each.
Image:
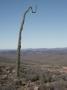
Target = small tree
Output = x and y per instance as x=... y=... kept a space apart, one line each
x=19 y=40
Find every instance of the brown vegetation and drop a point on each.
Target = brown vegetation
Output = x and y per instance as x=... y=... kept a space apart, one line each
x=39 y=71
x=33 y=77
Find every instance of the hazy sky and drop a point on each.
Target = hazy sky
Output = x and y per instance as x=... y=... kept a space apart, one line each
x=45 y=29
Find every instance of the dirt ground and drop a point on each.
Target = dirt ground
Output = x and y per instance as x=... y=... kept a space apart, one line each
x=33 y=77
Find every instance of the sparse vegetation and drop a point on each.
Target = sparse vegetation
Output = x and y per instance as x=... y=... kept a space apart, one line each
x=32 y=76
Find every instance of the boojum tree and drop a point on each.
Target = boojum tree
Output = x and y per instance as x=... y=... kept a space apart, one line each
x=19 y=40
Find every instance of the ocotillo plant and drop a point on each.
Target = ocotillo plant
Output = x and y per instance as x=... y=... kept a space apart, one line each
x=19 y=40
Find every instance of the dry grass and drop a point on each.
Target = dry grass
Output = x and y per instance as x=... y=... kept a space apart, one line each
x=33 y=77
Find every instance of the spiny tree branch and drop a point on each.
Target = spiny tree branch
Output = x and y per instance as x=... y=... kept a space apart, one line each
x=19 y=40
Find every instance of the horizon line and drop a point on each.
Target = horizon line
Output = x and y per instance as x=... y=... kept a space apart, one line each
x=35 y=48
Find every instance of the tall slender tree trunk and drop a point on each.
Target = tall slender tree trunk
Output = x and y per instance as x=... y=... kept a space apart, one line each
x=19 y=40
x=19 y=55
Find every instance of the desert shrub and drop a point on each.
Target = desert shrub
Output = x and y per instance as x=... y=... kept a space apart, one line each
x=8 y=87
x=46 y=87
x=34 y=78
x=63 y=76
x=47 y=77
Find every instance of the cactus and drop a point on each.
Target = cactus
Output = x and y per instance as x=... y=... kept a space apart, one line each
x=19 y=40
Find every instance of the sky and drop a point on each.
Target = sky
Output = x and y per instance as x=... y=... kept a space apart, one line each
x=45 y=29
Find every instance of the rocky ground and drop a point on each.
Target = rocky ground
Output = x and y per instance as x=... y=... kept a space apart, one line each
x=33 y=77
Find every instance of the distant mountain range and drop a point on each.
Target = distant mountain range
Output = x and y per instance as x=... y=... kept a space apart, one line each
x=35 y=51
x=41 y=55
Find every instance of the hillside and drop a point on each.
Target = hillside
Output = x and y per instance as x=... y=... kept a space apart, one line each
x=42 y=56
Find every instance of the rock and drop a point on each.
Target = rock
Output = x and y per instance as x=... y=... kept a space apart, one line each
x=36 y=88
x=4 y=77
